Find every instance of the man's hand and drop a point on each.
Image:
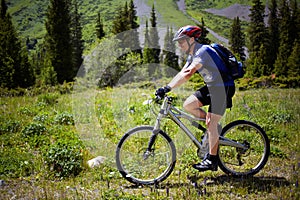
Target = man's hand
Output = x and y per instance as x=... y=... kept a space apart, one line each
x=160 y=92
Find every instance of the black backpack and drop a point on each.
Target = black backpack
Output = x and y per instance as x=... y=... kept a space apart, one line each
x=235 y=67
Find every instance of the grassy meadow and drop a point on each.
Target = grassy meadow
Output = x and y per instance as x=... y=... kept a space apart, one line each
x=93 y=121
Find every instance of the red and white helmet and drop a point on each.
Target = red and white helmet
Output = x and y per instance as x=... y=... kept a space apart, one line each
x=188 y=32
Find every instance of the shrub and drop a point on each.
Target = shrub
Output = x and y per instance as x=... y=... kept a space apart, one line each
x=288 y=82
x=48 y=98
x=41 y=118
x=33 y=129
x=27 y=111
x=15 y=162
x=64 y=119
x=36 y=135
x=9 y=126
x=64 y=158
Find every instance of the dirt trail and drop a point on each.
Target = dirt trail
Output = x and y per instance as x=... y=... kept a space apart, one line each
x=144 y=13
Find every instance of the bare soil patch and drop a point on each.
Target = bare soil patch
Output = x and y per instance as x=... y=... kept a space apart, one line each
x=236 y=10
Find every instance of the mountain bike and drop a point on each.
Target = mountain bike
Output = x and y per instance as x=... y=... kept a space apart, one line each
x=146 y=155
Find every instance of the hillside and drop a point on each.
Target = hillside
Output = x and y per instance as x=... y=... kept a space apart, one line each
x=29 y=16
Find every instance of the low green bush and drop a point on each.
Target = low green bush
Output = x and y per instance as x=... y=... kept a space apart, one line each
x=33 y=129
x=9 y=126
x=64 y=118
x=268 y=82
x=48 y=98
x=15 y=162
x=64 y=158
x=42 y=118
x=36 y=135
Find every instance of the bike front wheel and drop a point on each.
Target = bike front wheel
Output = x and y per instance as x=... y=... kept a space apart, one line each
x=143 y=167
x=244 y=161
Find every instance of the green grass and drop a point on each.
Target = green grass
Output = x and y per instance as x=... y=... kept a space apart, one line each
x=276 y=110
x=170 y=13
x=29 y=16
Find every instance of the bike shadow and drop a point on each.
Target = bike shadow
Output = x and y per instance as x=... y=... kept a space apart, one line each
x=254 y=183
x=263 y=184
x=257 y=183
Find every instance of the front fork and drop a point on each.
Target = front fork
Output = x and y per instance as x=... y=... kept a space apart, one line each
x=162 y=113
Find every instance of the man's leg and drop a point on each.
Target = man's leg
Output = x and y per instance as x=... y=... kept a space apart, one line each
x=193 y=106
x=212 y=121
x=215 y=112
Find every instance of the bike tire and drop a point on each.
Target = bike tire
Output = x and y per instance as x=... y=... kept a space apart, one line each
x=130 y=151
x=239 y=163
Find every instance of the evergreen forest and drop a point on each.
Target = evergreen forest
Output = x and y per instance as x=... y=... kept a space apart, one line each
x=269 y=46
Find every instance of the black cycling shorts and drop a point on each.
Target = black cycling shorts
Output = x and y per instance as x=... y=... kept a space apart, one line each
x=217 y=97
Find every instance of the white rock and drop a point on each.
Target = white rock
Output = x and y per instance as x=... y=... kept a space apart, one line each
x=96 y=162
x=2 y=182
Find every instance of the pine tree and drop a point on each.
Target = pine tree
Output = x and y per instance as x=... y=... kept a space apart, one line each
x=170 y=58
x=99 y=28
x=121 y=22
x=273 y=29
x=121 y=27
x=286 y=42
x=295 y=20
x=237 y=39
x=48 y=74
x=24 y=75
x=125 y=30
x=15 y=70
x=257 y=37
x=3 y=9
x=133 y=25
x=58 y=39
x=294 y=60
x=203 y=38
x=262 y=67
x=154 y=38
x=257 y=31
x=147 y=53
x=7 y=39
x=76 y=38
x=132 y=17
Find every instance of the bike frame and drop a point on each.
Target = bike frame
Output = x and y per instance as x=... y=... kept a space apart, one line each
x=168 y=110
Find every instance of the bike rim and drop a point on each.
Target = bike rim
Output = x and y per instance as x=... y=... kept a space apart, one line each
x=150 y=170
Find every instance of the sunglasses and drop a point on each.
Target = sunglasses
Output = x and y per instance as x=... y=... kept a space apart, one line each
x=181 y=41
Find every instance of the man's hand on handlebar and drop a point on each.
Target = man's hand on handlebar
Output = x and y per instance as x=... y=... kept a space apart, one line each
x=160 y=92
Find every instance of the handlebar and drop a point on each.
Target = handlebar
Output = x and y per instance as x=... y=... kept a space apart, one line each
x=166 y=97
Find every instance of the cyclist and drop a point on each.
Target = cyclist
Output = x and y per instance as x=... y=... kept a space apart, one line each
x=217 y=93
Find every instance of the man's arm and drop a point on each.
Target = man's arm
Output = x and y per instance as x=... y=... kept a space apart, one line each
x=185 y=74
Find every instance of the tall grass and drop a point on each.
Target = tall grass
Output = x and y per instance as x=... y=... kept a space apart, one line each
x=117 y=110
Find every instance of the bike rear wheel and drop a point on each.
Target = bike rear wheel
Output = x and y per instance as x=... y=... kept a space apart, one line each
x=139 y=168
x=244 y=162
